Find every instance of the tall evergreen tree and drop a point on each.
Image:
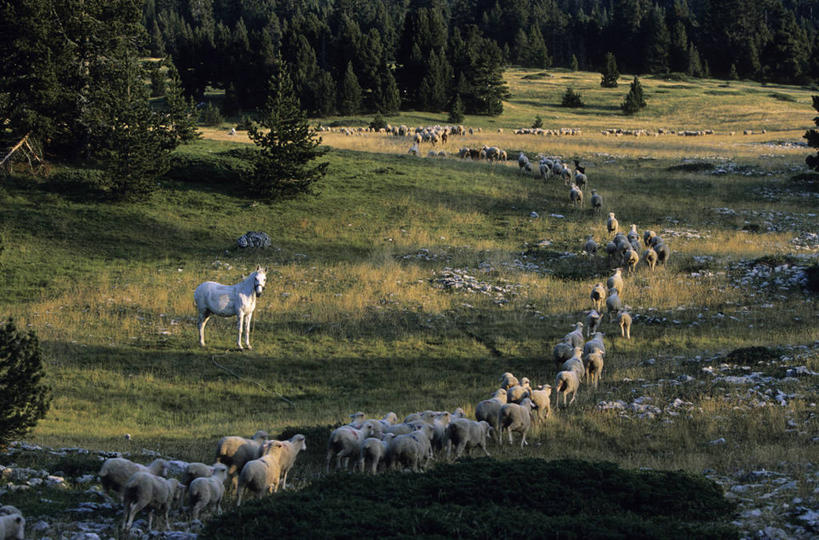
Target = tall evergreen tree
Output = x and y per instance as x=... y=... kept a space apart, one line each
x=695 y=68
x=812 y=136
x=610 y=74
x=678 y=58
x=656 y=41
x=349 y=92
x=634 y=99
x=283 y=167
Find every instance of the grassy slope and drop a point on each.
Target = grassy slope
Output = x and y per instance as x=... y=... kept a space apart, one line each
x=348 y=323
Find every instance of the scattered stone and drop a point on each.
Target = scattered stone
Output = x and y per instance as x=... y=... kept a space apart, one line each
x=717 y=442
x=254 y=239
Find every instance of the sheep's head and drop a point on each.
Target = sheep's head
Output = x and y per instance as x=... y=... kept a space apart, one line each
x=220 y=471
x=391 y=418
x=298 y=442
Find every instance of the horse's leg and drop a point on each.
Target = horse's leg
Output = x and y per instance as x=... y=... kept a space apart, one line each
x=247 y=329
x=203 y=320
x=241 y=317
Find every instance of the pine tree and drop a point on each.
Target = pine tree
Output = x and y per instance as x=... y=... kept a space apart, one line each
x=456 y=112
x=656 y=41
x=24 y=398
x=732 y=73
x=695 y=68
x=181 y=116
x=609 y=73
x=349 y=93
x=157 y=79
x=572 y=99
x=634 y=99
x=157 y=43
x=391 y=97
x=573 y=64
x=538 y=123
x=287 y=145
x=538 y=54
x=812 y=135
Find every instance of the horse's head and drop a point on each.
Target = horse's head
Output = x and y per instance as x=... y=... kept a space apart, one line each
x=260 y=280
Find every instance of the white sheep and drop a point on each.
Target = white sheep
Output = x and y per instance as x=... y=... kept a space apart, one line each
x=595 y=344
x=616 y=281
x=663 y=252
x=575 y=337
x=576 y=196
x=207 y=491
x=411 y=450
x=235 y=451
x=594 y=367
x=598 y=296
x=633 y=236
x=523 y=161
x=624 y=320
x=562 y=352
x=593 y=320
x=515 y=417
x=146 y=490
x=12 y=526
x=647 y=236
x=613 y=303
x=261 y=475
x=488 y=410
x=596 y=201
x=590 y=247
x=8 y=509
x=344 y=442
x=575 y=363
x=508 y=380
x=631 y=259
x=580 y=179
x=611 y=223
x=115 y=472
x=197 y=470
x=372 y=452
x=289 y=453
x=518 y=392
x=566 y=382
x=541 y=397
x=650 y=258
x=465 y=434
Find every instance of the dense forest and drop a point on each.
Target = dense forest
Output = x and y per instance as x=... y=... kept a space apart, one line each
x=350 y=56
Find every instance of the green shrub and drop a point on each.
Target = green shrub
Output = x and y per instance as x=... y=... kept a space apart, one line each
x=572 y=99
x=210 y=115
x=378 y=122
x=480 y=498
x=783 y=97
x=78 y=181
x=224 y=168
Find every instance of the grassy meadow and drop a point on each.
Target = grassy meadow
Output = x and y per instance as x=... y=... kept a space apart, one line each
x=352 y=318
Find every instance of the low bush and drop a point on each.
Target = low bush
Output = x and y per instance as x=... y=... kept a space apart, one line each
x=223 y=168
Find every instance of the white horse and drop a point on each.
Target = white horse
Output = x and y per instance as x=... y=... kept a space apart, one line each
x=228 y=300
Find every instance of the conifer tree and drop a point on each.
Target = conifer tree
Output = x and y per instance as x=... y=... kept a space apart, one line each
x=812 y=136
x=349 y=93
x=573 y=64
x=456 y=112
x=181 y=115
x=695 y=68
x=572 y=99
x=283 y=167
x=609 y=72
x=24 y=398
x=634 y=99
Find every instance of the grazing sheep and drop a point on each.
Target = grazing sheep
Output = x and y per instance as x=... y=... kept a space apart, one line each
x=595 y=344
x=594 y=367
x=562 y=352
x=566 y=382
x=489 y=409
x=235 y=451
x=517 y=393
x=624 y=320
x=289 y=453
x=12 y=526
x=261 y=475
x=647 y=236
x=508 y=380
x=204 y=492
x=575 y=337
x=345 y=442
x=596 y=201
x=465 y=434
x=541 y=397
x=409 y=451
x=581 y=180
x=575 y=363
x=631 y=260
x=633 y=236
x=372 y=452
x=593 y=320
x=576 y=196
x=611 y=252
x=414 y=149
x=650 y=258
x=196 y=470
x=515 y=417
x=613 y=303
x=663 y=252
x=611 y=223
x=115 y=472
x=144 y=489
x=523 y=161
x=598 y=296
x=616 y=280
x=403 y=428
x=590 y=247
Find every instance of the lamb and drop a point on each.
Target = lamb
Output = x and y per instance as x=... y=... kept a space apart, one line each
x=596 y=201
x=631 y=259
x=541 y=397
x=650 y=258
x=593 y=320
x=611 y=223
x=515 y=417
x=575 y=337
x=517 y=393
x=590 y=247
x=115 y=472
x=566 y=382
x=508 y=380
x=235 y=451
x=613 y=303
x=624 y=321
x=145 y=489
x=262 y=475
x=489 y=409
x=197 y=470
x=372 y=452
x=289 y=453
x=204 y=492
x=344 y=442
x=562 y=352
x=466 y=434
x=598 y=296
x=594 y=367
x=576 y=196
x=616 y=280
x=12 y=526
